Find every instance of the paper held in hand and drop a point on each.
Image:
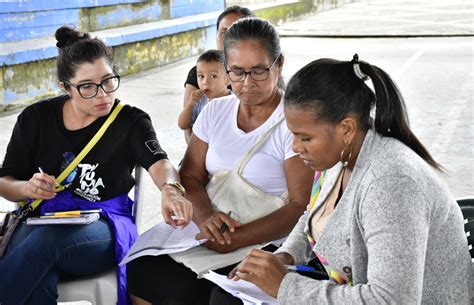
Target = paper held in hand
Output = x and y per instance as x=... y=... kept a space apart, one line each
x=164 y=239
x=79 y=220
x=246 y=291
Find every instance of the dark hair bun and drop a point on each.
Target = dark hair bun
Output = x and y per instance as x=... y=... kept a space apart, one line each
x=66 y=36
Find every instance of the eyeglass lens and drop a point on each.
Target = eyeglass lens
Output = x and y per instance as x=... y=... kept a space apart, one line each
x=257 y=74
x=90 y=90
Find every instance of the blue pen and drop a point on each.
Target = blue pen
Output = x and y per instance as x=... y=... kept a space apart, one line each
x=300 y=268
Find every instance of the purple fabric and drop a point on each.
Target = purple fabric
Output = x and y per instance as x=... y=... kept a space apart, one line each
x=118 y=212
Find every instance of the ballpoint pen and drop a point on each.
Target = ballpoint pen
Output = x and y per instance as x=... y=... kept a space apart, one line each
x=62 y=216
x=75 y=213
x=58 y=189
x=42 y=171
x=300 y=268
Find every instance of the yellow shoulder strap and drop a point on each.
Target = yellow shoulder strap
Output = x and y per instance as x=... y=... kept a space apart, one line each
x=83 y=153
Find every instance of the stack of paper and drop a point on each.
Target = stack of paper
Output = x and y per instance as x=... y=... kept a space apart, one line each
x=163 y=239
x=79 y=220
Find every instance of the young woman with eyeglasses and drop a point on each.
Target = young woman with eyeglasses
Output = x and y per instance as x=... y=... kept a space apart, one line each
x=49 y=135
x=223 y=134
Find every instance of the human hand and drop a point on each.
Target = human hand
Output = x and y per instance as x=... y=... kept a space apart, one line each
x=261 y=268
x=40 y=186
x=195 y=97
x=285 y=258
x=217 y=228
x=176 y=209
x=221 y=248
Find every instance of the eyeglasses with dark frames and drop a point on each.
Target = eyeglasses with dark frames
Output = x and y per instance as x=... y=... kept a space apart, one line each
x=89 y=90
x=257 y=74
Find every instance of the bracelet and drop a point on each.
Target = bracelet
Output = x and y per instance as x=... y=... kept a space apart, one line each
x=177 y=186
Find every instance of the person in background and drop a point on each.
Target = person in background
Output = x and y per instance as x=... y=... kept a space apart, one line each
x=224 y=134
x=49 y=135
x=224 y=21
x=213 y=83
x=385 y=225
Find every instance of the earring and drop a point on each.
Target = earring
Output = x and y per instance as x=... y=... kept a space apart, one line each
x=346 y=162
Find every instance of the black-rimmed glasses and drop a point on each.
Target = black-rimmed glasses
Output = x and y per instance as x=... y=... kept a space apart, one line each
x=257 y=74
x=89 y=90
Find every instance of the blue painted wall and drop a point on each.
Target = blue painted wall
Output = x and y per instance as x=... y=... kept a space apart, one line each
x=22 y=23
x=22 y=20
x=181 y=8
x=21 y=6
x=23 y=26
x=126 y=15
x=32 y=19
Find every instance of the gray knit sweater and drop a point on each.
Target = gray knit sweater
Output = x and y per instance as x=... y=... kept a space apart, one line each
x=397 y=232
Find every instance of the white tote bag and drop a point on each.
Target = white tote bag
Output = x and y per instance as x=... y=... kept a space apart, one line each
x=230 y=192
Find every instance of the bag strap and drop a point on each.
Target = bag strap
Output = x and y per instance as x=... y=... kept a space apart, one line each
x=82 y=154
x=253 y=150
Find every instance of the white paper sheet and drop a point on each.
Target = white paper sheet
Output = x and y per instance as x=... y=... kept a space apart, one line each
x=163 y=239
x=246 y=291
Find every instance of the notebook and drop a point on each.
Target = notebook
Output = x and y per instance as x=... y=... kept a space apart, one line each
x=80 y=220
x=163 y=239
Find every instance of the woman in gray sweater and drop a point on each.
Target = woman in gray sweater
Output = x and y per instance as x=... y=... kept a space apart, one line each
x=385 y=226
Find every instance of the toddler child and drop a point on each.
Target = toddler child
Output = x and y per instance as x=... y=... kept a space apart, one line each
x=213 y=82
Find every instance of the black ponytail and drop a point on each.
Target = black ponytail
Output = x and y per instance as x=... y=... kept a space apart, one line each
x=332 y=89
x=391 y=117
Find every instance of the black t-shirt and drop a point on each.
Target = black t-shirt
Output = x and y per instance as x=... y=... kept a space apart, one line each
x=192 y=78
x=40 y=139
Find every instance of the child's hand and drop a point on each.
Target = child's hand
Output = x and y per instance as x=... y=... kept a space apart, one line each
x=195 y=97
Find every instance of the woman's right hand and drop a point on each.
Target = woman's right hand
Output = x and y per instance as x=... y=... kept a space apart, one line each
x=218 y=228
x=40 y=186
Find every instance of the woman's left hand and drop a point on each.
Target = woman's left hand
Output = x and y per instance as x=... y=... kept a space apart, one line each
x=261 y=268
x=176 y=209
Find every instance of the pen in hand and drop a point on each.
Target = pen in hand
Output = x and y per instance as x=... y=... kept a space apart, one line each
x=224 y=226
x=42 y=172
x=300 y=268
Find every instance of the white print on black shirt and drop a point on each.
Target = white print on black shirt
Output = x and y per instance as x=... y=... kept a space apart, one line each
x=153 y=146
x=89 y=185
